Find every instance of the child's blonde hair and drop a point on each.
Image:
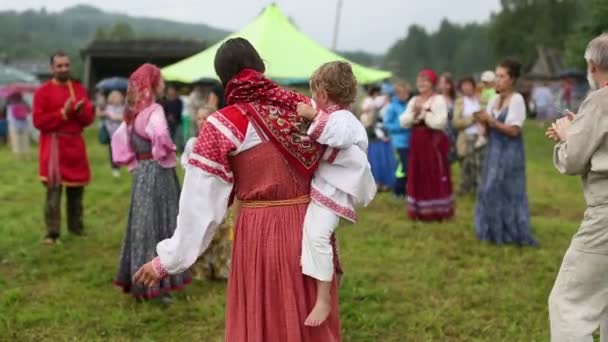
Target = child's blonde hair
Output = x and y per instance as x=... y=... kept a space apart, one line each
x=205 y=111
x=338 y=80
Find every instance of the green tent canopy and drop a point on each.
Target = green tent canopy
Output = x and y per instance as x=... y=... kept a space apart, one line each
x=290 y=56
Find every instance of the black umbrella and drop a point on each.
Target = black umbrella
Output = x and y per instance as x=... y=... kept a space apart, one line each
x=572 y=73
x=113 y=83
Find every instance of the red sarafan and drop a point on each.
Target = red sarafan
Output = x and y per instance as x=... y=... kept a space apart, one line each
x=268 y=296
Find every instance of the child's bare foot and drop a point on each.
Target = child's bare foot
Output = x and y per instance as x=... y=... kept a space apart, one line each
x=319 y=314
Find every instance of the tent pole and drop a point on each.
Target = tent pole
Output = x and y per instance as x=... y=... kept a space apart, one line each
x=334 y=44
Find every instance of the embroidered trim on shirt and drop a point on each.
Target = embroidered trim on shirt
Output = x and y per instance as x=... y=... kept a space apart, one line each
x=210 y=167
x=334 y=154
x=159 y=269
x=330 y=204
x=221 y=118
x=319 y=126
x=212 y=149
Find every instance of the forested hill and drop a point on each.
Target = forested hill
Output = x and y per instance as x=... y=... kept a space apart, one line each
x=33 y=33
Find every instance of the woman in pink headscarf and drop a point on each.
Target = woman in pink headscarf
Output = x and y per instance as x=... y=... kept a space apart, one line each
x=143 y=144
x=429 y=188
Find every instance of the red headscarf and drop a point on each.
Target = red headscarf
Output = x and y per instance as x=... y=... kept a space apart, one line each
x=141 y=92
x=430 y=75
x=273 y=110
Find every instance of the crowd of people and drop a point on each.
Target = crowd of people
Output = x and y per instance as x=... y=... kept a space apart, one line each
x=416 y=136
x=291 y=167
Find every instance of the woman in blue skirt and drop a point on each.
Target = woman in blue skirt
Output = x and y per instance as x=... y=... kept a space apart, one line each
x=502 y=215
x=380 y=152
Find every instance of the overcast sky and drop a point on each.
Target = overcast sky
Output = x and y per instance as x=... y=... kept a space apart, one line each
x=370 y=25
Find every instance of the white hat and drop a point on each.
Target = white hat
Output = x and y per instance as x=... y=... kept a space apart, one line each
x=488 y=76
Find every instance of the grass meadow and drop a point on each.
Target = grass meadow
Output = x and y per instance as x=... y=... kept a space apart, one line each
x=404 y=281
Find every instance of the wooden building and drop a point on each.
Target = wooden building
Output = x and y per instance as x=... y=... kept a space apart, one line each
x=109 y=58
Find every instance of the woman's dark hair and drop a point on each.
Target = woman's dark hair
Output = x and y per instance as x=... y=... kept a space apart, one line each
x=235 y=55
x=466 y=79
x=513 y=67
x=448 y=78
x=373 y=90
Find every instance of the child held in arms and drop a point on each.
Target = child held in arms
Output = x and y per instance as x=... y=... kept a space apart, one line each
x=343 y=180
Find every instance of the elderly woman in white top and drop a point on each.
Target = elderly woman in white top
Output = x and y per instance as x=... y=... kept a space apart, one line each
x=429 y=187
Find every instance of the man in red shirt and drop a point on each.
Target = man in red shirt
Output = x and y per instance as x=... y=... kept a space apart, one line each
x=61 y=112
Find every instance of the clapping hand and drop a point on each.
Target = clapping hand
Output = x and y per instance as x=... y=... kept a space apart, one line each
x=558 y=130
x=418 y=110
x=67 y=106
x=79 y=106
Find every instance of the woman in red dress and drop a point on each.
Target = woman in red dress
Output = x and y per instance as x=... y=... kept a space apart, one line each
x=429 y=186
x=256 y=150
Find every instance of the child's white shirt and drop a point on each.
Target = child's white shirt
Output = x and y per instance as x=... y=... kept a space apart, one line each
x=342 y=183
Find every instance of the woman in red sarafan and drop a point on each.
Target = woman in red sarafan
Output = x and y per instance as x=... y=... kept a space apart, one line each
x=429 y=186
x=257 y=150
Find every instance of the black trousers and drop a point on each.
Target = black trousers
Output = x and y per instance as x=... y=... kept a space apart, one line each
x=52 y=210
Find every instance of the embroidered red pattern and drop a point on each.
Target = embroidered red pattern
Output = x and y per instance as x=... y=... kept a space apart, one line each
x=277 y=123
x=330 y=204
x=323 y=119
x=273 y=110
x=224 y=120
x=334 y=154
x=213 y=171
x=159 y=269
x=319 y=126
x=214 y=146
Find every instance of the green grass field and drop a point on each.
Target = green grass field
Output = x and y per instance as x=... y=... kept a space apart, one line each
x=404 y=281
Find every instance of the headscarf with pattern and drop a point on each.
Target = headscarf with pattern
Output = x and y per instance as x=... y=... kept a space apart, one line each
x=273 y=110
x=141 y=92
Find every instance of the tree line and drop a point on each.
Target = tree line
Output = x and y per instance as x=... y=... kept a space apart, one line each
x=517 y=29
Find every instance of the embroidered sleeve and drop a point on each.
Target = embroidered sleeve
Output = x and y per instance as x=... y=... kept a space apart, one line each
x=159 y=269
x=318 y=126
x=219 y=138
x=206 y=192
x=339 y=130
x=202 y=207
